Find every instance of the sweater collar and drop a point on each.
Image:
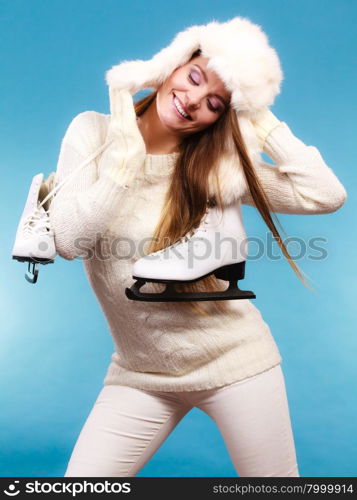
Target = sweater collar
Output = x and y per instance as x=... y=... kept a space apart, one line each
x=161 y=165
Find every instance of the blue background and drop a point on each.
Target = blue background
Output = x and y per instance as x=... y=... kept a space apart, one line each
x=55 y=345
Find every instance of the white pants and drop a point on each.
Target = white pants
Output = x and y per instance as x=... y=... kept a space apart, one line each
x=126 y=426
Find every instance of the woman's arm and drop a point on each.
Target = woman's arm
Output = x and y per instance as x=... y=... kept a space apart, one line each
x=300 y=182
x=81 y=210
x=84 y=207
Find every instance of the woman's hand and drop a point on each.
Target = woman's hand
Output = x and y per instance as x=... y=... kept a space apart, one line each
x=264 y=124
x=125 y=155
x=123 y=124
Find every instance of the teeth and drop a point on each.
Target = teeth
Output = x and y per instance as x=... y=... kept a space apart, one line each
x=179 y=108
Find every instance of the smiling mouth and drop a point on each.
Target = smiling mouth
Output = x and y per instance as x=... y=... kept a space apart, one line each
x=179 y=109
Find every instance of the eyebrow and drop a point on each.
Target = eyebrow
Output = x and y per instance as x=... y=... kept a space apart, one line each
x=205 y=77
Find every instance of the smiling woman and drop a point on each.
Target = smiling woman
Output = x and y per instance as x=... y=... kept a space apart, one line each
x=160 y=177
x=191 y=99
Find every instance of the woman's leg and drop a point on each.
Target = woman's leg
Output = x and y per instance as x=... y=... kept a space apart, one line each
x=123 y=430
x=254 y=420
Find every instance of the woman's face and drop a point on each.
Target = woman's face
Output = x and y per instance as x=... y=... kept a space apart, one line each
x=195 y=90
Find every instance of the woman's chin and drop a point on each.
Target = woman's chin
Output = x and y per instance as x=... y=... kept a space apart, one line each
x=171 y=123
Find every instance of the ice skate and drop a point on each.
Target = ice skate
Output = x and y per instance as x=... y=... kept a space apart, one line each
x=218 y=246
x=34 y=241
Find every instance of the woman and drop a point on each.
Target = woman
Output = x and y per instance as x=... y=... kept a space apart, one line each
x=152 y=184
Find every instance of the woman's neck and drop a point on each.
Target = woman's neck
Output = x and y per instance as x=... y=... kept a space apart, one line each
x=157 y=138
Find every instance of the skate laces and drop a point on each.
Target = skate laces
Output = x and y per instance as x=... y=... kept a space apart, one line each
x=36 y=223
x=187 y=236
x=58 y=185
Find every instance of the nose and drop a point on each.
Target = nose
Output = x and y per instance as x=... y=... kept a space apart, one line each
x=194 y=99
x=192 y=105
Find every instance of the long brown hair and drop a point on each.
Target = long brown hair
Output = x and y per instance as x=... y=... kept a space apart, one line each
x=186 y=198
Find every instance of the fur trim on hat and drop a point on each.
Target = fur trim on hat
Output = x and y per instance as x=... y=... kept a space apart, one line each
x=238 y=51
x=232 y=182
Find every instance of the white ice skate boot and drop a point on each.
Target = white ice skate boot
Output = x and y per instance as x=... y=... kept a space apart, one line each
x=34 y=241
x=218 y=246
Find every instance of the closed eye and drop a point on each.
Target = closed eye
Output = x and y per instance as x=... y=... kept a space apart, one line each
x=215 y=110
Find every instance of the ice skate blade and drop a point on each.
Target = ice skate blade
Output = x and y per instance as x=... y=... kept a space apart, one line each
x=171 y=295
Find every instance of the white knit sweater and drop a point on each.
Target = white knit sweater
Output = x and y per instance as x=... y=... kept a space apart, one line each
x=159 y=345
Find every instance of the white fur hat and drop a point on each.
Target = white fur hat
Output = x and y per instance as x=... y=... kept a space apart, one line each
x=239 y=53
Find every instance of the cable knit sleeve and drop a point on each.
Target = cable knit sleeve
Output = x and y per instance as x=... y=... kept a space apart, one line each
x=300 y=182
x=83 y=207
